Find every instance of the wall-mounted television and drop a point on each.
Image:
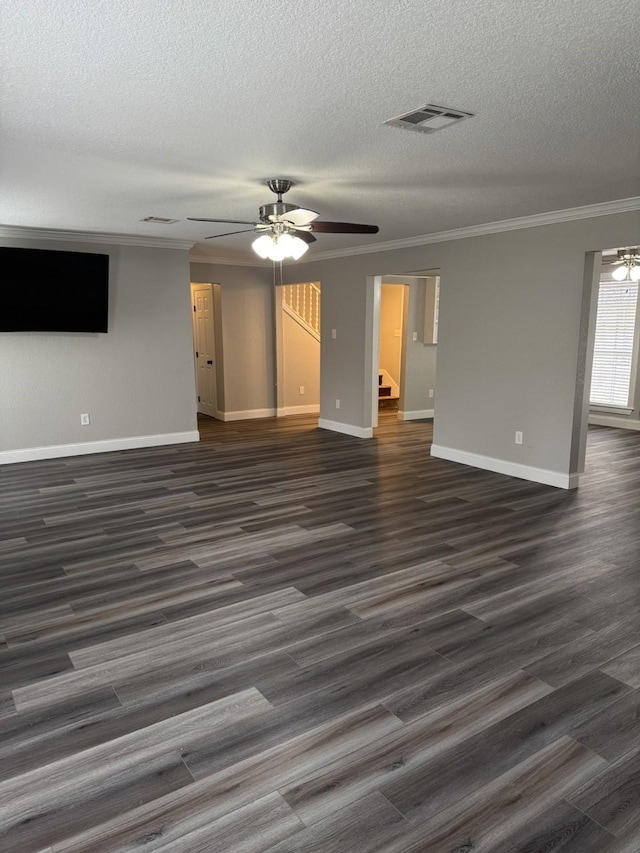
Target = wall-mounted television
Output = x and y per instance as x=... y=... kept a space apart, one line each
x=49 y=291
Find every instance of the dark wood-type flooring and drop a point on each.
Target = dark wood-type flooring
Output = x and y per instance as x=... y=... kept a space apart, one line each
x=285 y=640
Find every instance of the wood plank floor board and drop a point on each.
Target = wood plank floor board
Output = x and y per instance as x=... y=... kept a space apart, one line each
x=283 y=728
x=359 y=633
x=250 y=829
x=382 y=665
x=50 y=814
x=25 y=739
x=216 y=619
x=464 y=768
x=365 y=826
x=615 y=733
x=587 y=653
x=424 y=697
x=92 y=719
x=352 y=777
x=82 y=631
x=612 y=797
x=562 y=828
x=489 y=637
x=185 y=682
x=511 y=809
x=19 y=670
x=281 y=638
x=626 y=666
x=220 y=793
x=74 y=682
x=58 y=590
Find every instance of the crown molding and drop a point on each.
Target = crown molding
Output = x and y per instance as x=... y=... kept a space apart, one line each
x=605 y=208
x=196 y=258
x=21 y=233
x=535 y=220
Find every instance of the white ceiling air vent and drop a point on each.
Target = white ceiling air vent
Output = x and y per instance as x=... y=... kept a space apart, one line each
x=428 y=119
x=159 y=220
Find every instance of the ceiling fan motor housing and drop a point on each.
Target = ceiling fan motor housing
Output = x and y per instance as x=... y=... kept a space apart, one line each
x=270 y=212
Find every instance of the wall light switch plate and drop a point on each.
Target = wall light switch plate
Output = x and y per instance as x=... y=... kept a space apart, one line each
x=431 y=392
x=414 y=336
x=84 y=420
x=302 y=389
x=334 y=333
x=518 y=437
x=337 y=404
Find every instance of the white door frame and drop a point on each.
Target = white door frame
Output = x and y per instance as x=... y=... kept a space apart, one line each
x=211 y=411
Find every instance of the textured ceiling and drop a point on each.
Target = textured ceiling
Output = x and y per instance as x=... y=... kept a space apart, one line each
x=118 y=110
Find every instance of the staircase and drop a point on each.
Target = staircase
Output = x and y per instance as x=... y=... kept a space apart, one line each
x=302 y=302
x=388 y=391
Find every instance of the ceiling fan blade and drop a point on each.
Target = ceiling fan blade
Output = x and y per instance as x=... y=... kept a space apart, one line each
x=228 y=221
x=342 y=228
x=304 y=235
x=229 y=233
x=299 y=216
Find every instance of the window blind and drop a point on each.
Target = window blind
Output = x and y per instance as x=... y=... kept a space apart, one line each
x=613 y=351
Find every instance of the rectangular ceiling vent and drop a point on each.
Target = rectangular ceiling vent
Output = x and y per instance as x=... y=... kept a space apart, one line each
x=428 y=119
x=159 y=220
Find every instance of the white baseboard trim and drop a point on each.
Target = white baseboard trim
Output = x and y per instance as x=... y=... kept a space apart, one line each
x=511 y=469
x=248 y=414
x=416 y=414
x=347 y=429
x=298 y=410
x=55 y=451
x=614 y=421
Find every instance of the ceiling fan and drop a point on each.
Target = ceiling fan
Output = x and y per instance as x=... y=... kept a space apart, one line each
x=628 y=265
x=286 y=230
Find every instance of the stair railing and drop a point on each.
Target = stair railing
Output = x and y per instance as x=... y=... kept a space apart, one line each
x=303 y=300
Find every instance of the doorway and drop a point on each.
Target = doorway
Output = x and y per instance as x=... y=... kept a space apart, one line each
x=418 y=338
x=391 y=344
x=204 y=348
x=297 y=326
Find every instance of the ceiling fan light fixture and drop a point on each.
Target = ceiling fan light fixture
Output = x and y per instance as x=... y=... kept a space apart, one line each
x=620 y=273
x=262 y=246
x=628 y=268
x=277 y=247
x=296 y=247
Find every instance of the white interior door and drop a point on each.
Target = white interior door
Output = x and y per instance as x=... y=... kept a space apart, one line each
x=202 y=303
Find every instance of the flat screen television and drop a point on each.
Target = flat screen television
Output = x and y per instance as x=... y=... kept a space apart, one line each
x=49 y=291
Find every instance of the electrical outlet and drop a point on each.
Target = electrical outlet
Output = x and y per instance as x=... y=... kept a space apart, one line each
x=84 y=420
x=334 y=333
x=431 y=393
x=518 y=437
x=302 y=389
x=337 y=404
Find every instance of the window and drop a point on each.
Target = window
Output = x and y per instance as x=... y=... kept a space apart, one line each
x=614 y=350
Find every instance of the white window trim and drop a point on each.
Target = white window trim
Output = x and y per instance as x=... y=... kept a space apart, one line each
x=611 y=410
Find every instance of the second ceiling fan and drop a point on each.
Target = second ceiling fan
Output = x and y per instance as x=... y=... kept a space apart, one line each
x=286 y=230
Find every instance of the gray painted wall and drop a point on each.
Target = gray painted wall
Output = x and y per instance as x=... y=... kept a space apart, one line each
x=419 y=365
x=137 y=380
x=246 y=308
x=508 y=346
